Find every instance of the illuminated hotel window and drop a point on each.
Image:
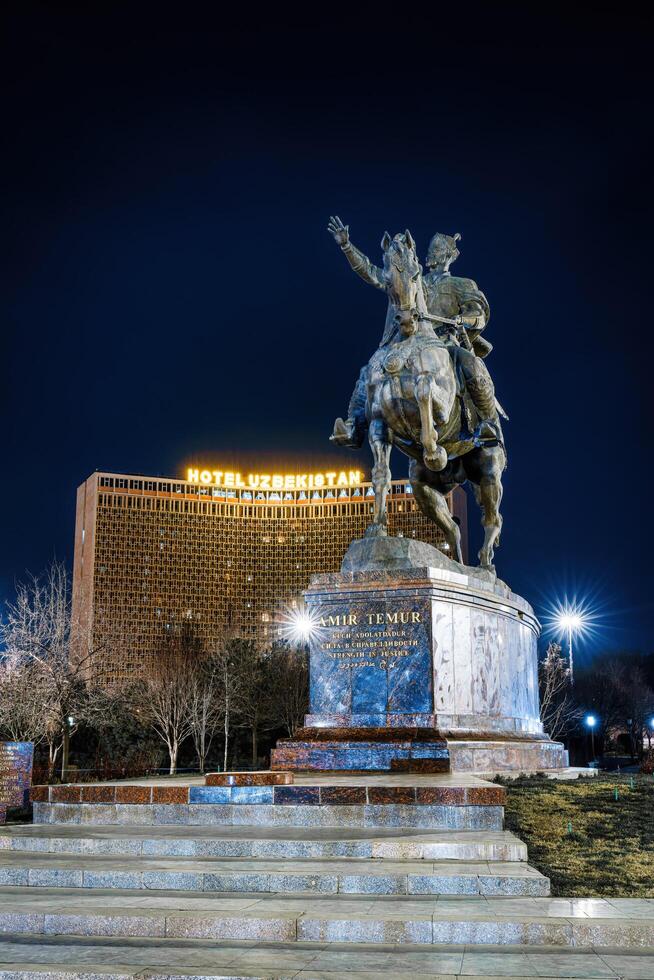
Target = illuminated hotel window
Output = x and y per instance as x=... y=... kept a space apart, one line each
x=145 y=585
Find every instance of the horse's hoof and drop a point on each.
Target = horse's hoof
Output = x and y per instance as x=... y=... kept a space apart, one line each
x=436 y=461
x=376 y=531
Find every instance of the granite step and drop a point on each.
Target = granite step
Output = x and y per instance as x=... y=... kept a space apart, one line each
x=69 y=958
x=438 y=922
x=427 y=817
x=352 y=876
x=264 y=842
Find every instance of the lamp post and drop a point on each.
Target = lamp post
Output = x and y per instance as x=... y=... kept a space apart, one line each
x=571 y=622
x=591 y=721
x=65 y=749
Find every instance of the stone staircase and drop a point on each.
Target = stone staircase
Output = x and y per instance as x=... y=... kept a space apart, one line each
x=324 y=875
x=178 y=898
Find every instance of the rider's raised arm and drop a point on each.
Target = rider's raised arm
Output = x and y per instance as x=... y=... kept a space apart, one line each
x=363 y=266
x=360 y=263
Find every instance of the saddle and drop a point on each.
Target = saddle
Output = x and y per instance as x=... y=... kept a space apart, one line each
x=401 y=353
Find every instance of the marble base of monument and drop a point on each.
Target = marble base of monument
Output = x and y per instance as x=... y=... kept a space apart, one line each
x=384 y=749
x=419 y=662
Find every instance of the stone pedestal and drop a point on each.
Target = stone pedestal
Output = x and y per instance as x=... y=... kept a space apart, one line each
x=409 y=640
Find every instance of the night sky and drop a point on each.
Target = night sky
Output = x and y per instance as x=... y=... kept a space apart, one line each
x=170 y=294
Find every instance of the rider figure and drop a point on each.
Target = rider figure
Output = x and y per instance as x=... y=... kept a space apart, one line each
x=446 y=296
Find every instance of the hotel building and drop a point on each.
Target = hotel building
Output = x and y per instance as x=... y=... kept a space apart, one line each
x=224 y=552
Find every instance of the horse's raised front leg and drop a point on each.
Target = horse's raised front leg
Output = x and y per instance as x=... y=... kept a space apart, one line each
x=488 y=491
x=433 y=505
x=434 y=455
x=381 y=474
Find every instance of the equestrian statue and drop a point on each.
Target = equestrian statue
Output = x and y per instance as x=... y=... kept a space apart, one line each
x=426 y=389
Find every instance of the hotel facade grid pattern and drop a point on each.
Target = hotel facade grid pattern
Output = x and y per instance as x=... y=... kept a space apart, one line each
x=153 y=554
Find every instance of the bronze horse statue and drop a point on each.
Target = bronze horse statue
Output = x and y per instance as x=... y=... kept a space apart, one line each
x=416 y=404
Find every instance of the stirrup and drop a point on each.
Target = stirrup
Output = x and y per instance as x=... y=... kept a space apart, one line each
x=344 y=434
x=486 y=435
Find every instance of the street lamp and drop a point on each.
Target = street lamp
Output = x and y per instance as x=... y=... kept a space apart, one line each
x=572 y=622
x=591 y=721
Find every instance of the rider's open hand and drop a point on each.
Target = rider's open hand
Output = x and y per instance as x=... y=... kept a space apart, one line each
x=340 y=231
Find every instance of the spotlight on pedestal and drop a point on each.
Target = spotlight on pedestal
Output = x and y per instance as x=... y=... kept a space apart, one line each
x=299 y=625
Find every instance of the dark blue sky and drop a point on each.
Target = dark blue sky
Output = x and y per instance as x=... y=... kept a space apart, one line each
x=170 y=292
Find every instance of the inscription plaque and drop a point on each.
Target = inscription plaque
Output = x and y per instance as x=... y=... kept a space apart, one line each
x=15 y=773
x=370 y=658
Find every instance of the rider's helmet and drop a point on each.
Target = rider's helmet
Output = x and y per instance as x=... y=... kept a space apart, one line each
x=441 y=248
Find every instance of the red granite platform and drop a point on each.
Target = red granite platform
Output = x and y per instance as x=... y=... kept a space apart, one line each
x=261 y=778
x=309 y=790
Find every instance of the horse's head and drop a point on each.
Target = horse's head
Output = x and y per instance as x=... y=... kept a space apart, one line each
x=403 y=275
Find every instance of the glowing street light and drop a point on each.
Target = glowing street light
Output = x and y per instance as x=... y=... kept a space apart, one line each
x=300 y=625
x=572 y=622
x=591 y=721
x=303 y=626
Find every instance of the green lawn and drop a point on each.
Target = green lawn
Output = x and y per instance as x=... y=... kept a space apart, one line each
x=585 y=840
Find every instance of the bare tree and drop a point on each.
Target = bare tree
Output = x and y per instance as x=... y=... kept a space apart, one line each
x=36 y=633
x=230 y=688
x=23 y=693
x=205 y=704
x=558 y=711
x=162 y=697
x=257 y=698
x=638 y=700
x=602 y=688
x=289 y=676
